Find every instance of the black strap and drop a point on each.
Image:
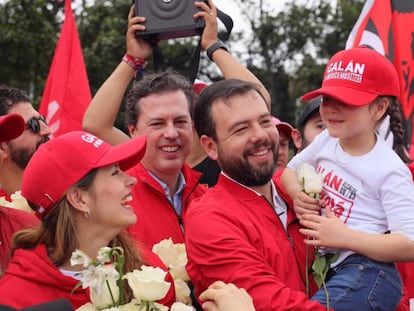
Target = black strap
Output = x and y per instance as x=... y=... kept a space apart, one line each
x=192 y=70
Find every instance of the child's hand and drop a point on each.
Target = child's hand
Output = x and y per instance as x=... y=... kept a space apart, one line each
x=327 y=231
x=304 y=204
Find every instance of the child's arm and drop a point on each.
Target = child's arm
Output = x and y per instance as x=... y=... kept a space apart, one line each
x=331 y=232
x=302 y=203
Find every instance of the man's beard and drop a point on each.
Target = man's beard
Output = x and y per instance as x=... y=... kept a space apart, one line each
x=241 y=170
x=22 y=156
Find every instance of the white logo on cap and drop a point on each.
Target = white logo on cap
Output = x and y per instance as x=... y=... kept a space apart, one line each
x=352 y=71
x=91 y=139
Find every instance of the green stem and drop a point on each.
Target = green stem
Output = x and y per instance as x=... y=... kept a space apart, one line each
x=307 y=270
x=121 y=281
x=110 y=293
x=118 y=257
x=326 y=294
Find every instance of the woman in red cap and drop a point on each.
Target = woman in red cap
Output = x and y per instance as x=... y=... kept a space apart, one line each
x=77 y=187
x=368 y=195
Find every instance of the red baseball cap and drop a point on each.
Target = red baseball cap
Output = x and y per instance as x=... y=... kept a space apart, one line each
x=62 y=161
x=11 y=126
x=199 y=86
x=357 y=76
x=283 y=126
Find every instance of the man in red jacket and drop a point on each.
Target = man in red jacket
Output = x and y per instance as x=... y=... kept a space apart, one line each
x=16 y=153
x=242 y=230
x=159 y=106
x=11 y=220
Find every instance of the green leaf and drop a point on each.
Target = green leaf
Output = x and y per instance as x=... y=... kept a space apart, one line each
x=76 y=287
x=319 y=264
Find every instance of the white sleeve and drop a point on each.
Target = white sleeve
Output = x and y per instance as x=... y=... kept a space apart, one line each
x=309 y=154
x=397 y=199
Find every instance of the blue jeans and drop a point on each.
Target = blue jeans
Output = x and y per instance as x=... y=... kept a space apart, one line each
x=359 y=283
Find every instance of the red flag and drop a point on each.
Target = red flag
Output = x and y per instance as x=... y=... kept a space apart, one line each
x=388 y=27
x=67 y=93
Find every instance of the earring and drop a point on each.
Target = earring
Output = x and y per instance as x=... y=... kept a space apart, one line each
x=87 y=215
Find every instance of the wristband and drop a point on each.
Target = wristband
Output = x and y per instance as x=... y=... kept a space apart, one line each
x=136 y=63
x=218 y=45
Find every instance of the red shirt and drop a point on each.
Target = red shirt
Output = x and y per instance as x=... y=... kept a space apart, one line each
x=157 y=219
x=11 y=221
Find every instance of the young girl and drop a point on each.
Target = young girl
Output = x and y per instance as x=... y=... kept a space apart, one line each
x=368 y=194
x=76 y=184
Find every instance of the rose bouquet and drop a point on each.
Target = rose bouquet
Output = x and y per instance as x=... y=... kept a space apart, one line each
x=104 y=278
x=174 y=256
x=312 y=183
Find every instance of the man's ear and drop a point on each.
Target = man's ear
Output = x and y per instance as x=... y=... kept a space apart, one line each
x=209 y=146
x=132 y=130
x=4 y=151
x=297 y=138
x=78 y=198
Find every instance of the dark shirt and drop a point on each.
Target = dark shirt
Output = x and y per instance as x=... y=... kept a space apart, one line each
x=210 y=171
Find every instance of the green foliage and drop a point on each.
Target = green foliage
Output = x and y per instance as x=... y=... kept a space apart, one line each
x=289 y=48
x=320 y=268
x=295 y=45
x=102 y=31
x=28 y=33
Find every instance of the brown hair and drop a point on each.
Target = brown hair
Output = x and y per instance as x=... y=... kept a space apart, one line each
x=58 y=232
x=155 y=83
x=397 y=123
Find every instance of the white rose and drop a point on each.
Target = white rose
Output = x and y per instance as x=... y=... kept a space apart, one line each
x=182 y=292
x=310 y=181
x=313 y=184
x=87 y=307
x=148 y=283
x=165 y=250
x=131 y=306
x=304 y=171
x=174 y=256
x=105 y=294
x=160 y=307
x=177 y=269
x=179 y=306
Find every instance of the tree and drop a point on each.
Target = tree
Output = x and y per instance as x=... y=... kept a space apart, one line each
x=287 y=50
x=294 y=45
x=28 y=34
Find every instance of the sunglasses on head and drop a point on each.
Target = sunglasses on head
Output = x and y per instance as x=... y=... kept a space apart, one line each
x=34 y=123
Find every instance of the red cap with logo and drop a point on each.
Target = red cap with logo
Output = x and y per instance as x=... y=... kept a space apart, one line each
x=11 y=126
x=62 y=161
x=357 y=76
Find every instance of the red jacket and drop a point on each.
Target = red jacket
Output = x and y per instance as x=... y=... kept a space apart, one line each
x=157 y=219
x=234 y=235
x=11 y=221
x=33 y=279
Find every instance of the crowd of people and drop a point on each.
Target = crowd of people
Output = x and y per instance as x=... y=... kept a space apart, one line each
x=207 y=165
